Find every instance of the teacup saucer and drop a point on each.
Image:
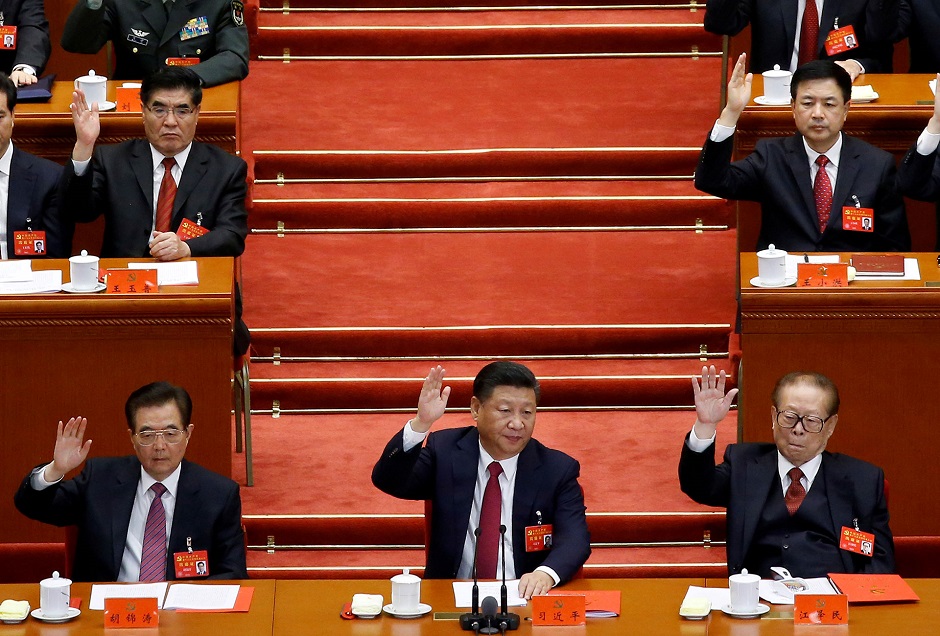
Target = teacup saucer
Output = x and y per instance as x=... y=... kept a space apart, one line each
x=760 y=610
x=68 y=287
x=763 y=100
x=788 y=281
x=423 y=608
x=38 y=615
x=106 y=106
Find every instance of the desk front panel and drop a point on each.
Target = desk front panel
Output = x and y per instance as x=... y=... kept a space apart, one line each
x=68 y=354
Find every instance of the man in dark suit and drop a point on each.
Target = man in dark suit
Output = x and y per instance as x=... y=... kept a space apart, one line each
x=494 y=473
x=136 y=513
x=919 y=174
x=150 y=34
x=805 y=207
x=776 y=27
x=28 y=194
x=790 y=503
x=27 y=58
x=919 y=22
x=203 y=190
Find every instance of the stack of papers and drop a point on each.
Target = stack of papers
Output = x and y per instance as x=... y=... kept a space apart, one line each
x=131 y=590
x=176 y=273
x=181 y=596
x=18 y=277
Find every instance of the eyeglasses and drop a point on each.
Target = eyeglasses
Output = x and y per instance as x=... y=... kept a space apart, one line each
x=181 y=112
x=170 y=436
x=811 y=423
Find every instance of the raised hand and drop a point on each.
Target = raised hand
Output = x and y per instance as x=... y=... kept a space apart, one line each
x=71 y=449
x=432 y=402
x=933 y=126
x=711 y=402
x=739 y=92
x=87 y=126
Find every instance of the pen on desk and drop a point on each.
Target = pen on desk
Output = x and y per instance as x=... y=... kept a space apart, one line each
x=806 y=258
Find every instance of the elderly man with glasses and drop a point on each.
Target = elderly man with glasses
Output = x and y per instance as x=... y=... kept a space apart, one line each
x=136 y=514
x=790 y=504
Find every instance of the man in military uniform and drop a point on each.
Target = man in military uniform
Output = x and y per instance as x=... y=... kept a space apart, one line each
x=210 y=35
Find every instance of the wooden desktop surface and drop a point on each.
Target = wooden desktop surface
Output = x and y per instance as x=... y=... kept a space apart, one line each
x=648 y=606
x=46 y=129
x=879 y=341
x=82 y=354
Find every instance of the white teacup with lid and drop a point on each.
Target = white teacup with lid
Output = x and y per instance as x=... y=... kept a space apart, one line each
x=94 y=86
x=54 y=594
x=772 y=266
x=777 y=85
x=406 y=592
x=83 y=271
x=744 y=592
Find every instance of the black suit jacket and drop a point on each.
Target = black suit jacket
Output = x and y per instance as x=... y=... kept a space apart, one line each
x=919 y=21
x=144 y=36
x=32 y=35
x=33 y=195
x=919 y=175
x=119 y=185
x=445 y=472
x=741 y=484
x=777 y=175
x=99 y=502
x=773 y=29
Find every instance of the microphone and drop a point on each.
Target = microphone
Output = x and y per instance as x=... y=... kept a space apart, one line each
x=506 y=620
x=473 y=620
x=490 y=607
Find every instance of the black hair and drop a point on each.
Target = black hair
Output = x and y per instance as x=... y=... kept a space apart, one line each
x=171 y=78
x=822 y=70
x=504 y=373
x=158 y=394
x=810 y=378
x=8 y=87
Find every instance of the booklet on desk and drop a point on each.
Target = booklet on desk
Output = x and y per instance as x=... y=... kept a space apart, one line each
x=597 y=603
x=873 y=588
x=41 y=91
x=878 y=264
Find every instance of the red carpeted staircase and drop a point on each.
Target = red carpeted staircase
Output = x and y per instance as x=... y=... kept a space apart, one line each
x=454 y=185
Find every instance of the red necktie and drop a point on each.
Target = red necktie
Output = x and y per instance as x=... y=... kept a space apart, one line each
x=795 y=493
x=153 y=556
x=488 y=548
x=809 y=33
x=822 y=192
x=166 y=197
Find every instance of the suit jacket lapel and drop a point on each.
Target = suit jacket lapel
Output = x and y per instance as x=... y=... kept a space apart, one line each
x=123 y=491
x=155 y=15
x=827 y=20
x=845 y=183
x=21 y=180
x=839 y=493
x=142 y=166
x=788 y=17
x=759 y=476
x=798 y=164
x=464 y=472
x=195 y=170
x=180 y=14
x=187 y=498
x=527 y=489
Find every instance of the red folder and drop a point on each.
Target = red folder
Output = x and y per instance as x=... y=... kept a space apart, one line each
x=873 y=588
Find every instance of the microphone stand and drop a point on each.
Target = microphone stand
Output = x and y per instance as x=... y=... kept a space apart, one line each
x=473 y=620
x=504 y=618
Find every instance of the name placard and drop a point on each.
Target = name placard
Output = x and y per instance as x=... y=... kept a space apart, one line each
x=558 y=609
x=131 y=612
x=821 y=609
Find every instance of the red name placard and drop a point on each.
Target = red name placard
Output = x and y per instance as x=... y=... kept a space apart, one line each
x=820 y=609
x=131 y=281
x=822 y=275
x=558 y=610
x=131 y=612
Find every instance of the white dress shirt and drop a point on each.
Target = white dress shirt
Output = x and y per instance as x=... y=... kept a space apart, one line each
x=5 y=161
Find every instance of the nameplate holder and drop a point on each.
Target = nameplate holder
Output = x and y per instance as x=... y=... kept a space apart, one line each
x=820 y=609
x=130 y=613
x=130 y=281
x=822 y=275
x=558 y=609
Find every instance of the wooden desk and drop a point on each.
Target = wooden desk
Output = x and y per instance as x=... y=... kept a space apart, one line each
x=891 y=122
x=652 y=606
x=255 y=622
x=69 y=354
x=46 y=129
x=880 y=343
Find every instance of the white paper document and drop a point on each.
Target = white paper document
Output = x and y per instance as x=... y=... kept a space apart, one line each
x=203 y=597
x=16 y=271
x=463 y=592
x=719 y=596
x=178 y=273
x=775 y=592
x=99 y=592
x=42 y=282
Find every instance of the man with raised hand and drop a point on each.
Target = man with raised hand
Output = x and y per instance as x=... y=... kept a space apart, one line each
x=490 y=475
x=816 y=187
x=791 y=503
